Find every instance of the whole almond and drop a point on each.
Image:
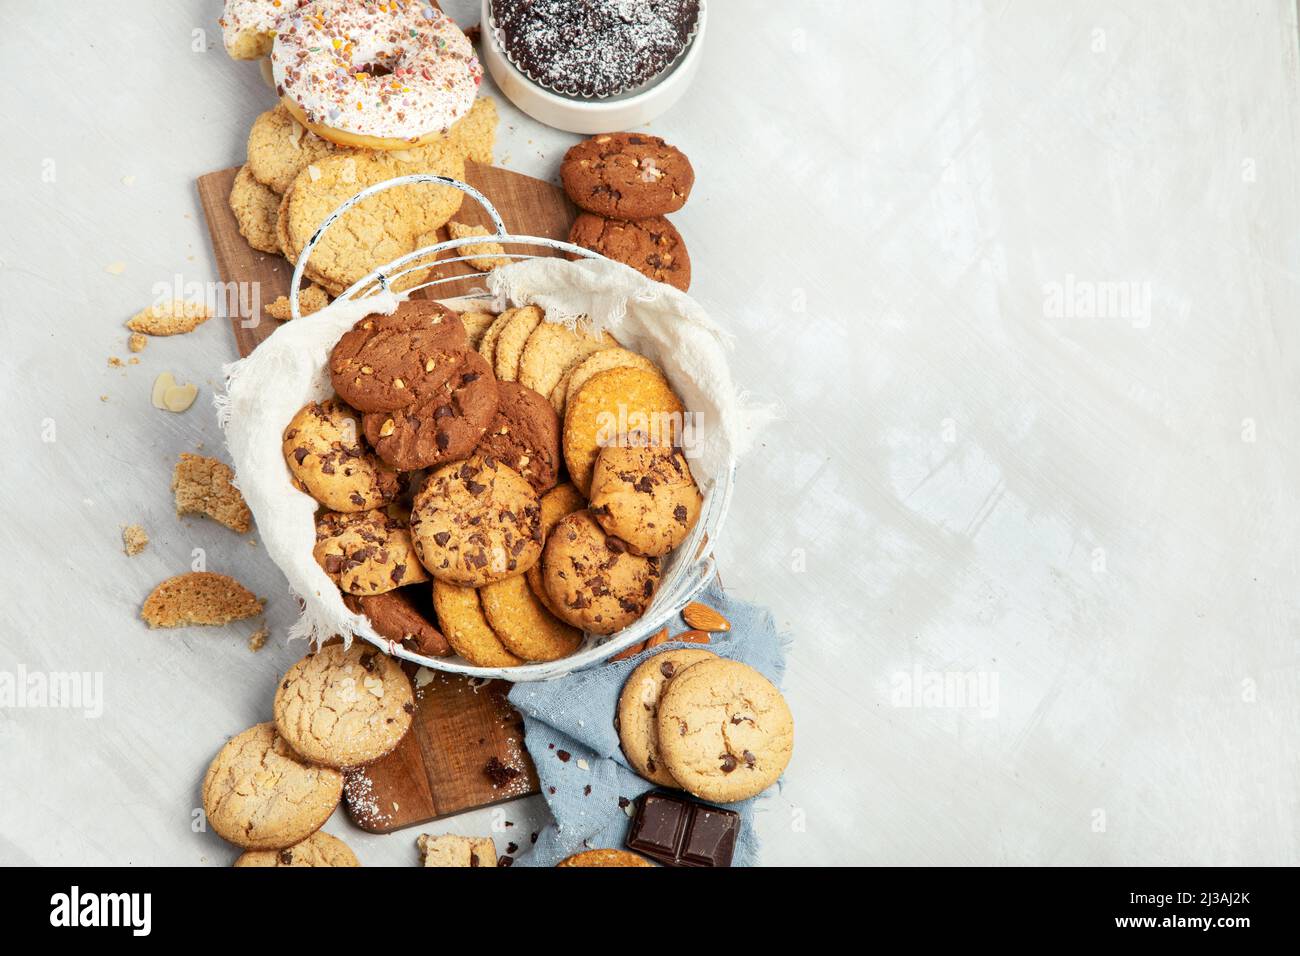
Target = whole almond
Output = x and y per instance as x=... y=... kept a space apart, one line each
x=687 y=637
x=704 y=618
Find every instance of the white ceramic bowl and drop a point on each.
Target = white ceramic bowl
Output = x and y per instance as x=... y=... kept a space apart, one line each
x=592 y=116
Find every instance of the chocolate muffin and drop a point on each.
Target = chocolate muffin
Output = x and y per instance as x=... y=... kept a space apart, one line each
x=593 y=48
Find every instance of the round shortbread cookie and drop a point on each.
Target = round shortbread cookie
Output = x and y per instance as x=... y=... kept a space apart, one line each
x=638 y=710
x=256 y=208
x=460 y=615
x=344 y=707
x=725 y=733
x=523 y=623
x=555 y=504
x=593 y=581
x=487 y=346
x=260 y=795
x=319 y=849
x=552 y=350
x=322 y=447
x=596 y=363
x=511 y=340
x=475 y=522
x=609 y=407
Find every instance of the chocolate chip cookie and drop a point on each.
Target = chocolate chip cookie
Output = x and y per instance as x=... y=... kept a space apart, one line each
x=446 y=424
x=344 y=707
x=653 y=247
x=725 y=733
x=525 y=434
x=319 y=849
x=627 y=175
x=404 y=616
x=366 y=553
x=638 y=710
x=475 y=522
x=323 y=449
x=595 y=583
x=646 y=496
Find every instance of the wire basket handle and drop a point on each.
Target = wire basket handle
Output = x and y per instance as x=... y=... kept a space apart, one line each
x=411 y=180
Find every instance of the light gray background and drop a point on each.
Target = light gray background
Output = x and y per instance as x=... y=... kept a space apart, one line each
x=1091 y=517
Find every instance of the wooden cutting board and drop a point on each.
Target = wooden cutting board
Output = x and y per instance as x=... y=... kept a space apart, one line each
x=460 y=725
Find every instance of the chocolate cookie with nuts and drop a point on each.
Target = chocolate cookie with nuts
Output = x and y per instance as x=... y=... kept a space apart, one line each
x=653 y=247
x=627 y=175
x=525 y=434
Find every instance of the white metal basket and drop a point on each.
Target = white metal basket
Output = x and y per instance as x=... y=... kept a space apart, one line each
x=686 y=571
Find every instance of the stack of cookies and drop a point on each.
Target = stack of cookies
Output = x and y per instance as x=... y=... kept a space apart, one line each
x=293 y=179
x=492 y=485
x=716 y=728
x=625 y=184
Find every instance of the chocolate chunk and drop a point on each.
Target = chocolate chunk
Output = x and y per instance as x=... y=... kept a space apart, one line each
x=729 y=763
x=499 y=773
x=564 y=755
x=679 y=831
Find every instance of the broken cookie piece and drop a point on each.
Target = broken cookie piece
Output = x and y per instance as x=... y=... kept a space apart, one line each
x=204 y=486
x=485 y=256
x=200 y=597
x=311 y=299
x=170 y=318
x=452 y=850
x=134 y=539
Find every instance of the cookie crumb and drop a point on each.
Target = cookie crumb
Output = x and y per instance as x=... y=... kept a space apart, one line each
x=115 y=268
x=134 y=539
x=115 y=362
x=137 y=341
x=257 y=640
x=204 y=486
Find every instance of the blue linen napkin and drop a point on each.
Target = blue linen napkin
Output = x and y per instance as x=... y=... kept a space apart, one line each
x=574 y=716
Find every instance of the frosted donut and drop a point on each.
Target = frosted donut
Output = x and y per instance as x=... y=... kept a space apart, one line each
x=248 y=26
x=376 y=75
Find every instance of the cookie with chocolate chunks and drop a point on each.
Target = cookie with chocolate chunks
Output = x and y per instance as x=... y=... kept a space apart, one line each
x=645 y=495
x=475 y=522
x=594 y=582
x=366 y=553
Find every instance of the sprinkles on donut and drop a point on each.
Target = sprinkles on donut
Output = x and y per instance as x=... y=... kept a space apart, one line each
x=376 y=75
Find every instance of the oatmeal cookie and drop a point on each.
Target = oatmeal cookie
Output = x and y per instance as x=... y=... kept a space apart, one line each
x=255 y=207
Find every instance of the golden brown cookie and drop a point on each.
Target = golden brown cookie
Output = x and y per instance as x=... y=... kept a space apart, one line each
x=260 y=795
x=344 y=707
x=456 y=851
x=169 y=318
x=487 y=345
x=323 y=449
x=646 y=496
x=200 y=597
x=366 y=553
x=382 y=227
x=524 y=625
x=612 y=405
x=593 y=364
x=725 y=733
x=404 y=616
x=525 y=434
x=593 y=581
x=552 y=349
x=476 y=521
x=319 y=849
x=460 y=613
x=555 y=504
x=510 y=342
x=653 y=247
x=476 y=323
x=627 y=175
x=279 y=148
x=205 y=486
x=255 y=207
x=605 y=858
x=638 y=710
x=484 y=256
